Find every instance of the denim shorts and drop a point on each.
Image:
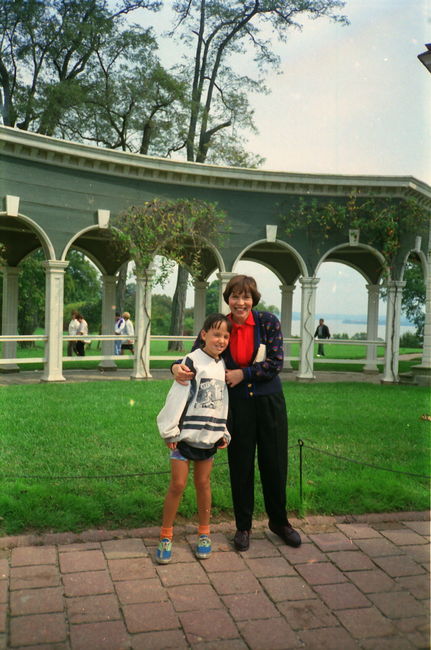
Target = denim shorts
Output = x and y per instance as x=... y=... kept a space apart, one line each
x=176 y=455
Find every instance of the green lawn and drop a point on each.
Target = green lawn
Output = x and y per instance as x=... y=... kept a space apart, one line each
x=101 y=461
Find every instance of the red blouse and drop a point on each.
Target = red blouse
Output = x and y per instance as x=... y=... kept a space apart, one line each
x=242 y=341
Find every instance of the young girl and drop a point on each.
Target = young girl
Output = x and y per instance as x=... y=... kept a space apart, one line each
x=193 y=425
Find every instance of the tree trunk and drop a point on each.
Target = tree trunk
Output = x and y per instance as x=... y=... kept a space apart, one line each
x=120 y=293
x=178 y=308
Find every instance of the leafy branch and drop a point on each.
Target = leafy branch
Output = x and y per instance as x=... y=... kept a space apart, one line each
x=178 y=230
x=383 y=223
x=175 y=230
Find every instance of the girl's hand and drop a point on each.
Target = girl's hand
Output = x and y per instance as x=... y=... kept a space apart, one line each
x=224 y=445
x=171 y=445
x=182 y=374
x=234 y=377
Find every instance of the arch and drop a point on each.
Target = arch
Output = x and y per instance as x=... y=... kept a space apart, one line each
x=220 y=265
x=422 y=261
x=342 y=252
x=91 y=257
x=280 y=245
x=91 y=251
x=35 y=229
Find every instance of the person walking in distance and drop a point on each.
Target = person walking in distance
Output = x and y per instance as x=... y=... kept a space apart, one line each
x=82 y=334
x=72 y=329
x=322 y=332
x=128 y=331
x=118 y=329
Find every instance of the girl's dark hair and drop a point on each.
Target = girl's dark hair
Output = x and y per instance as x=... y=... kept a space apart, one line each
x=215 y=320
x=242 y=284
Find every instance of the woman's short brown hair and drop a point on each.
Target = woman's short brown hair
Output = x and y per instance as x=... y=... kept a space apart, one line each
x=242 y=284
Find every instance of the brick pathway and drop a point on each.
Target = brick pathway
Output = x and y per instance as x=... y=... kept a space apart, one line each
x=358 y=582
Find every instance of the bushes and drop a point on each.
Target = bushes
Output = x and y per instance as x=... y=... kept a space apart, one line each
x=410 y=340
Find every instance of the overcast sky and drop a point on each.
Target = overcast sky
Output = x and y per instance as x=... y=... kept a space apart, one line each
x=350 y=100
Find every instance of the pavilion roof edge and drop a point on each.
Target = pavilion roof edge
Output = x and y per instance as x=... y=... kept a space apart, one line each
x=49 y=150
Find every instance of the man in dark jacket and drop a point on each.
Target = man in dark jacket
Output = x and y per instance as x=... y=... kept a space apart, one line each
x=322 y=332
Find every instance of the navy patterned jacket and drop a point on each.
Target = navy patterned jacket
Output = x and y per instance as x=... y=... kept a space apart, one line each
x=261 y=377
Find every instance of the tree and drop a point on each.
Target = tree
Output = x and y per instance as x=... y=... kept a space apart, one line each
x=217 y=34
x=81 y=279
x=413 y=300
x=46 y=49
x=31 y=290
x=212 y=297
x=131 y=99
x=161 y=307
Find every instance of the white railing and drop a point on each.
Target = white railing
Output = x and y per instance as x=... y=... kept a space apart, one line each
x=356 y=342
x=171 y=357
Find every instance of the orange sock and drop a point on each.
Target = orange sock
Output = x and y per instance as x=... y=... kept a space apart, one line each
x=166 y=533
x=203 y=530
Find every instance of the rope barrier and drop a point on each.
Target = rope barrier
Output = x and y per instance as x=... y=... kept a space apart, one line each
x=360 y=462
x=99 y=477
x=302 y=444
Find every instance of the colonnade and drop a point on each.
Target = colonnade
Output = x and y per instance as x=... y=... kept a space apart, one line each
x=53 y=364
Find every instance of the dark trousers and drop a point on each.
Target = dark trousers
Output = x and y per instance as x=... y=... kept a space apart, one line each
x=80 y=348
x=320 y=349
x=258 y=423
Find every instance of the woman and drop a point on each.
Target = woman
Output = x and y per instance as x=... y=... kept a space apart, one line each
x=82 y=332
x=258 y=418
x=129 y=332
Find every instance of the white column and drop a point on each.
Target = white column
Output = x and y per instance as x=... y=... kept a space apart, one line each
x=53 y=367
x=308 y=308
x=10 y=316
x=108 y=320
x=286 y=320
x=372 y=327
x=426 y=352
x=141 y=367
x=422 y=372
x=200 y=305
x=224 y=277
x=393 y=316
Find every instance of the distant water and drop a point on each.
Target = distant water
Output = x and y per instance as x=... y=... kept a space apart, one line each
x=336 y=326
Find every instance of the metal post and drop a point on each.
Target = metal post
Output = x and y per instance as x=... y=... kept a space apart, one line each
x=301 y=444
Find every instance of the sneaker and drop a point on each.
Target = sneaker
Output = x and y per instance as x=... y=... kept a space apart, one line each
x=203 y=548
x=288 y=534
x=164 y=551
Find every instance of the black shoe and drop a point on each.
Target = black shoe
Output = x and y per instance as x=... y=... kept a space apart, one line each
x=241 y=541
x=289 y=536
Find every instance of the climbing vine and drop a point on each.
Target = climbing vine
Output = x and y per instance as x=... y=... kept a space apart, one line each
x=177 y=230
x=382 y=222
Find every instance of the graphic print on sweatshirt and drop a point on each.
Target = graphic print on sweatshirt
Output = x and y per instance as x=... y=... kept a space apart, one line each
x=210 y=394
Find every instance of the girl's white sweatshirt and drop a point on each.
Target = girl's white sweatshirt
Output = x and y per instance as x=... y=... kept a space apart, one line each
x=197 y=412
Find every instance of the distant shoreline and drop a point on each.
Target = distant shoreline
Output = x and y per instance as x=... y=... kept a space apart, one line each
x=345 y=319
